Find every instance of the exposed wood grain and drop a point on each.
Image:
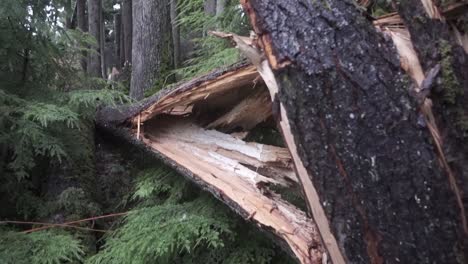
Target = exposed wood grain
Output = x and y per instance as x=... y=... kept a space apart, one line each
x=214 y=157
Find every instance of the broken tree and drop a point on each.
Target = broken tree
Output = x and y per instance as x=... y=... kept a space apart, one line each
x=371 y=176
x=200 y=128
x=365 y=152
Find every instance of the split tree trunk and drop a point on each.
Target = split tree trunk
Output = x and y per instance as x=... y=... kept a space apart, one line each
x=94 y=17
x=147 y=44
x=370 y=174
x=436 y=44
x=127 y=28
x=81 y=23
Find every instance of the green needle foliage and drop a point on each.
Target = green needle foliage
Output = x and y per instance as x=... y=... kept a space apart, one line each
x=175 y=223
x=45 y=247
x=209 y=52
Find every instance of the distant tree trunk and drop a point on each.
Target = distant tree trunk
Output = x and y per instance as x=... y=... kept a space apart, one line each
x=81 y=22
x=117 y=33
x=127 y=29
x=149 y=19
x=69 y=14
x=122 y=41
x=94 y=18
x=210 y=7
x=103 y=43
x=220 y=6
x=175 y=33
x=370 y=174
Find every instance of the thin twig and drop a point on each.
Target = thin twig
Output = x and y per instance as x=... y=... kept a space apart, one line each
x=48 y=225
x=76 y=222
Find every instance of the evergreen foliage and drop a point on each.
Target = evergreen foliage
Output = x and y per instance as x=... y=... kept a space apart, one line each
x=172 y=223
x=46 y=247
x=47 y=106
x=209 y=52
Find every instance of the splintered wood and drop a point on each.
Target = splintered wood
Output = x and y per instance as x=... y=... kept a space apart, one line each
x=224 y=83
x=201 y=129
x=235 y=169
x=247 y=114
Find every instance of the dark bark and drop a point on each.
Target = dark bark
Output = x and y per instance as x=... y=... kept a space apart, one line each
x=102 y=42
x=435 y=44
x=81 y=15
x=94 y=18
x=175 y=34
x=122 y=40
x=127 y=29
x=69 y=14
x=149 y=19
x=81 y=23
x=117 y=33
x=375 y=171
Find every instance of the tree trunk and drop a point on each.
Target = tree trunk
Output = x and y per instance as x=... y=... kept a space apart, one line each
x=127 y=29
x=69 y=14
x=175 y=34
x=147 y=44
x=220 y=5
x=94 y=18
x=435 y=44
x=117 y=33
x=81 y=22
x=103 y=43
x=210 y=7
x=371 y=177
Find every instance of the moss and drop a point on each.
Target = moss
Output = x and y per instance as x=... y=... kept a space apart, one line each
x=450 y=83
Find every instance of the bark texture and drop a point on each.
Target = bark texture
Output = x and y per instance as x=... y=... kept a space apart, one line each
x=117 y=33
x=435 y=44
x=220 y=5
x=102 y=42
x=82 y=25
x=210 y=7
x=175 y=34
x=127 y=29
x=94 y=17
x=385 y=197
x=147 y=44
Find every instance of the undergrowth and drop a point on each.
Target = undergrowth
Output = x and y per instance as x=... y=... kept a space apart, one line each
x=173 y=222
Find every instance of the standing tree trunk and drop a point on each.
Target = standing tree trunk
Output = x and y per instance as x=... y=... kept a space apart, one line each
x=210 y=7
x=220 y=5
x=117 y=33
x=81 y=22
x=122 y=41
x=127 y=29
x=370 y=174
x=175 y=33
x=149 y=18
x=103 y=43
x=94 y=18
x=69 y=14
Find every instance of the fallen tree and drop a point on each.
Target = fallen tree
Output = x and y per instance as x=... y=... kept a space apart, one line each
x=373 y=181
x=178 y=126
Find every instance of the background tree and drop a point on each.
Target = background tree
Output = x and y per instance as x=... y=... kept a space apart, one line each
x=82 y=25
x=148 y=44
x=94 y=18
x=127 y=27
